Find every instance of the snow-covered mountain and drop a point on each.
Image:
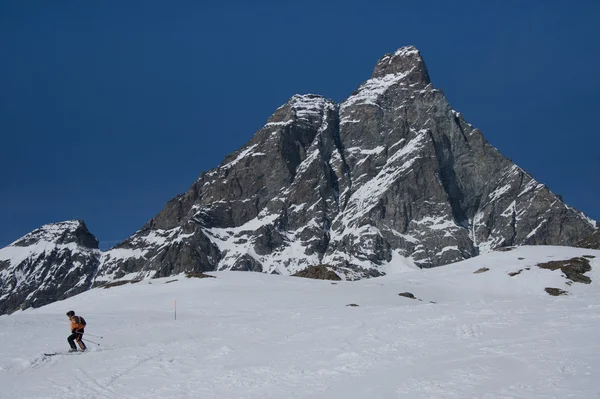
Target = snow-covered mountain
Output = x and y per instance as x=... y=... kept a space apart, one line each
x=53 y=262
x=468 y=334
x=391 y=176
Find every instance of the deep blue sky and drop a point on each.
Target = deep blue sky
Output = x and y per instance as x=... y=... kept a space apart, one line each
x=108 y=109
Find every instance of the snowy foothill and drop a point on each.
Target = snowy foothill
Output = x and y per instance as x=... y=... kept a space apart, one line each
x=492 y=334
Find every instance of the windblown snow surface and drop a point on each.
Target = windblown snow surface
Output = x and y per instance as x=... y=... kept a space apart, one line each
x=253 y=335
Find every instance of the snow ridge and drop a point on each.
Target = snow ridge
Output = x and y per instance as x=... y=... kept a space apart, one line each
x=370 y=91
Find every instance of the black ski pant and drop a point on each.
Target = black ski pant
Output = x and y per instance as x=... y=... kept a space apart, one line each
x=77 y=336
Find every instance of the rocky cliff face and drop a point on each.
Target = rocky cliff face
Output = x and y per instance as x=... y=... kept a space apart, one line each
x=54 y=262
x=392 y=176
x=592 y=241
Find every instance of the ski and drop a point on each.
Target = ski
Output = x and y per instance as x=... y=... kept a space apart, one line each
x=63 y=353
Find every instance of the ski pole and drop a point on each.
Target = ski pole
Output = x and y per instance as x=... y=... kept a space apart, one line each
x=87 y=340
x=92 y=335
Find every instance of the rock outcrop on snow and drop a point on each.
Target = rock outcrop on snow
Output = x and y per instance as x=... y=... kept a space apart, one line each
x=391 y=176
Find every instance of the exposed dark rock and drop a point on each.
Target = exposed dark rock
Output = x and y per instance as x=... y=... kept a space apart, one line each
x=481 y=270
x=407 y=295
x=320 y=272
x=247 y=263
x=512 y=274
x=119 y=283
x=504 y=249
x=591 y=242
x=352 y=305
x=198 y=275
x=555 y=291
x=573 y=269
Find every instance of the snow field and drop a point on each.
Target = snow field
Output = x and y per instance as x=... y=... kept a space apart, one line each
x=252 y=335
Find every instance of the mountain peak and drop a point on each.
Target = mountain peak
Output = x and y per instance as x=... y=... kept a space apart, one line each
x=70 y=231
x=53 y=262
x=406 y=60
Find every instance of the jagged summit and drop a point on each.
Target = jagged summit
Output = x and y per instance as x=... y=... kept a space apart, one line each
x=406 y=62
x=395 y=75
x=71 y=231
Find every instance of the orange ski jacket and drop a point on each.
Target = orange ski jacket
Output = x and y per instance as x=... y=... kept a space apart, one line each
x=77 y=323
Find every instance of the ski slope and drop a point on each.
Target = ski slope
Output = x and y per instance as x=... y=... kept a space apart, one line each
x=252 y=335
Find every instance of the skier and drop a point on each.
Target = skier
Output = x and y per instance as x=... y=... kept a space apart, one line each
x=77 y=326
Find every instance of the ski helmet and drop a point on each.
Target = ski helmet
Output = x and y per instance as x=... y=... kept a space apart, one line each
x=70 y=313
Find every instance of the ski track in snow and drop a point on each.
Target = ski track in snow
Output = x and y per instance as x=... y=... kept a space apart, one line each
x=251 y=335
